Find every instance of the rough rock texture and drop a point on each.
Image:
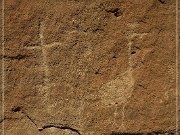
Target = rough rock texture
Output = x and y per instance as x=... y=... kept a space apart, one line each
x=90 y=67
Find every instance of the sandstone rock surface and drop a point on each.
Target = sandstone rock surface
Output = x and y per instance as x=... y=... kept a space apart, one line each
x=90 y=67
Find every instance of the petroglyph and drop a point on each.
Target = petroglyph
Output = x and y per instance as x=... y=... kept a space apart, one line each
x=100 y=67
x=45 y=88
x=118 y=91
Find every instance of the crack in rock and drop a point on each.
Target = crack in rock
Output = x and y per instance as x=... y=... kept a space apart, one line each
x=162 y=1
x=59 y=126
x=51 y=125
x=8 y=118
x=116 y=11
x=19 y=109
x=16 y=57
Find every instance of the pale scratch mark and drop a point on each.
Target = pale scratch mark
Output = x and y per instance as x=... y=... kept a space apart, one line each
x=45 y=67
x=130 y=90
x=166 y=94
x=41 y=32
x=44 y=48
x=55 y=44
x=115 y=115
x=120 y=89
x=44 y=53
x=116 y=92
x=81 y=112
x=145 y=52
x=130 y=37
x=123 y=116
x=138 y=35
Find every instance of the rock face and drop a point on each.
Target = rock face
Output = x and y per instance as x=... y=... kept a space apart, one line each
x=89 y=67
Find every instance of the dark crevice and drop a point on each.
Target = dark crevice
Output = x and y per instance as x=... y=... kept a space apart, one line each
x=51 y=125
x=140 y=85
x=133 y=52
x=8 y=118
x=30 y=118
x=1 y=120
x=114 y=56
x=60 y=126
x=16 y=109
x=116 y=11
x=97 y=72
x=16 y=57
x=19 y=109
x=162 y=1
x=98 y=30
x=135 y=49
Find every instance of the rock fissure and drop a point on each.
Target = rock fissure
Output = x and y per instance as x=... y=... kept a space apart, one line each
x=46 y=126
x=17 y=109
x=116 y=11
x=16 y=57
x=162 y=1
x=8 y=118
x=59 y=126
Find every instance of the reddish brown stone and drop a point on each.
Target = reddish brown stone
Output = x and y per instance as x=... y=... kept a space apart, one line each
x=90 y=67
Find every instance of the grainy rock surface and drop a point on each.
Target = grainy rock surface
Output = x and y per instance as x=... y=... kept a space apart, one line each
x=90 y=67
